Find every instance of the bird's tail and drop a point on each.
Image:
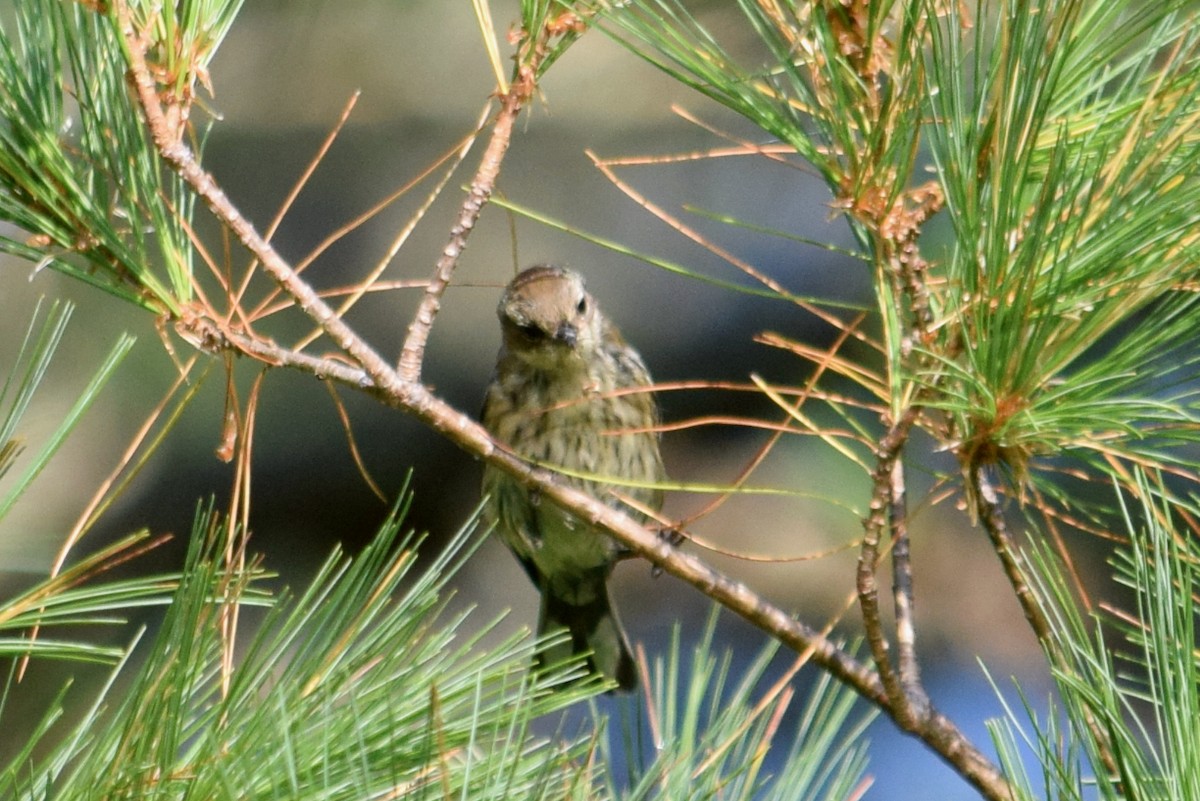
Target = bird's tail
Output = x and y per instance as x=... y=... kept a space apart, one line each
x=595 y=630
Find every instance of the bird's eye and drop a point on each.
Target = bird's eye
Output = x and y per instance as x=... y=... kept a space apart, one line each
x=581 y=306
x=531 y=331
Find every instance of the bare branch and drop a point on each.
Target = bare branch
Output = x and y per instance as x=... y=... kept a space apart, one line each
x=992 y=518
x=413 y=353
x=512 y=101
x=183 y=161
x=878 y=520
x=902 y=594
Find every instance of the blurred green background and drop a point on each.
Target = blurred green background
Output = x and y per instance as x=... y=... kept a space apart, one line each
x=281 y=80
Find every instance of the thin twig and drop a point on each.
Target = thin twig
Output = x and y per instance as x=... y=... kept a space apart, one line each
x=887 y=455
x=413 y=353
x=183 y=161
x=314 y=162
x=992 y=518
x=902 y=593
x=906 y=271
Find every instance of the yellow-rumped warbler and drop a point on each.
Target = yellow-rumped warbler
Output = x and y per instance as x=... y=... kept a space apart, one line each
x=554 y=401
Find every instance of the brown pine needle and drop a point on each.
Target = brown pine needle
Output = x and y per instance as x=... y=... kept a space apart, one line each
x=336 y=653
x=826 y=435
x=227 y=447
x=771 y=151
x=780 y=690
x=342 y=291
x=744 y=556
x=286 y=206
x=239 y=529
x=355 y=454
x=772 y=559
x=102 y=497
x=702 y=421
x=731 y=386
x=865 y=378
x=806 y=392
x=740 y=147
x=353 y=224
x=652 y=721
x=784 y=697
x=221 y=275
x=106 y=559
x=364 y=286
x=1064 y=553
x=694 y=235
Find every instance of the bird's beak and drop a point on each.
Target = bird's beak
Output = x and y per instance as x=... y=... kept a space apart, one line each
x=566 y=334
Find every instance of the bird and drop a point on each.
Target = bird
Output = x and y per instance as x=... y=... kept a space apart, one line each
x=566 y=395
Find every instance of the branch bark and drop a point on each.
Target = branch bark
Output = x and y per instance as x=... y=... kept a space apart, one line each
x=992 y=518
x=412 y=354
x=906 y=697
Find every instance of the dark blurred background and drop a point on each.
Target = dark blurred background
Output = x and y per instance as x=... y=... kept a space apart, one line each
x=281 y=79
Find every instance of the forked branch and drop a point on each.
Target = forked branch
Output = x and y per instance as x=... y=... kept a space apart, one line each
x=413 y=353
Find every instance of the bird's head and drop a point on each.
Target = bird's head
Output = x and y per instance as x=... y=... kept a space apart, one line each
x=548 y=318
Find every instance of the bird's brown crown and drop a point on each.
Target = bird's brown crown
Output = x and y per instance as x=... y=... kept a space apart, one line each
x=547 y=307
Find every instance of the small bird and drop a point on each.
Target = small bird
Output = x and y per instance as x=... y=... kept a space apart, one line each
x=554 y=400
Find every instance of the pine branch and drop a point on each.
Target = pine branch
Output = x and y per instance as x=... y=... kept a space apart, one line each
x=403 y=390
